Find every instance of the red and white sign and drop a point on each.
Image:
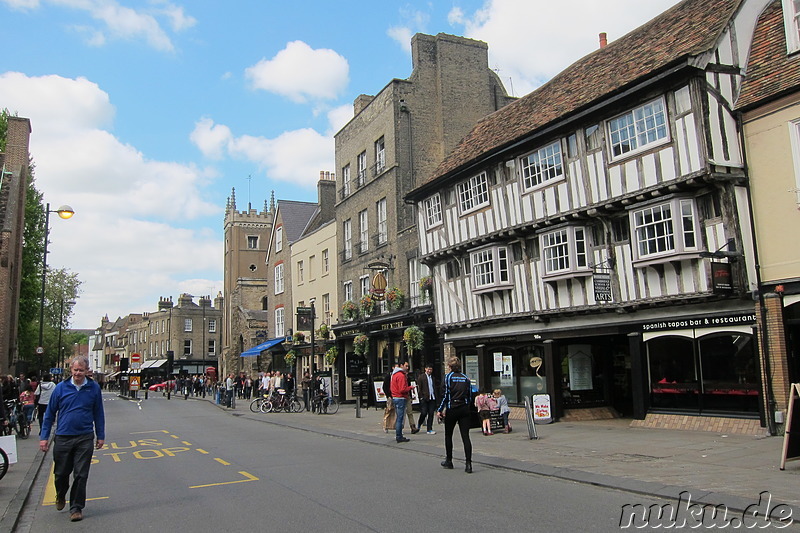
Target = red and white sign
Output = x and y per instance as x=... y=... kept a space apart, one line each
x=541 y=409
x=136 y=361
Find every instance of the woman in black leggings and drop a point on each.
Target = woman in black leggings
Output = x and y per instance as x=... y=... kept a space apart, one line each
x=454 y=409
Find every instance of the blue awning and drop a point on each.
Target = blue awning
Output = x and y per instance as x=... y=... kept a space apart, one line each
x=257 y=350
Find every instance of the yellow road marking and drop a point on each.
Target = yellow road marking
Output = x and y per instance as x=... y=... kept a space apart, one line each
x=154 y=431
x=186 y=443
x=217 y=459
x=201 y=451
x=50 y=491
x=248 y=477
x=174 y=436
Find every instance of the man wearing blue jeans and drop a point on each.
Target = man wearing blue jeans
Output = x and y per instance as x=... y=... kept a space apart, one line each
x=78 y=403
x=401 y=391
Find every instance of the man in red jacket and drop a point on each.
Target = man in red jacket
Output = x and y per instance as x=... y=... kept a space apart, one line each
x=401 y=390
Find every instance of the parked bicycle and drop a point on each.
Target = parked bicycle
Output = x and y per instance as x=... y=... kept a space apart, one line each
x=321 y=403
x=3 y=463
x=17 y=421
x=281 y=401
x=255 y=405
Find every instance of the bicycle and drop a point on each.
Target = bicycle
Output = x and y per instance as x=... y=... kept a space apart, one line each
x=257 y=403
x=321 y=403
x=3 y=463
x=17 y=421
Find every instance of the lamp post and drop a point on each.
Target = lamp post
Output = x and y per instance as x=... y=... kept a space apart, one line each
x=64 y=212
x=60 y=328
x=313 y=355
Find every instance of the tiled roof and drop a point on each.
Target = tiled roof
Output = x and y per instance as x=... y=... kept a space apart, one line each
x=687 y=29
x=770 y=71
x=295 y=216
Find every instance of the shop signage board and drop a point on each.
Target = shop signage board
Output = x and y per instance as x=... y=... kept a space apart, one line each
x=721 y=278
x=741 y=319
x=9 y=445
x=791 y=436
x=380 y=396
x=602 y=286
x=542 y=413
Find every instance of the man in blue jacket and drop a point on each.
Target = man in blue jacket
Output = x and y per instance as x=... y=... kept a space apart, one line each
x=78 y=403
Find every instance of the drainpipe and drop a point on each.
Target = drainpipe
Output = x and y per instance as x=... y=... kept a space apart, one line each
x=770 y=398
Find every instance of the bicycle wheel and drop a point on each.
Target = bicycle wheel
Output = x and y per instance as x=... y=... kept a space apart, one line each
x=266 y=406
x=255 y=405
x=3 y=463
x=333 y=406
x=296 y=406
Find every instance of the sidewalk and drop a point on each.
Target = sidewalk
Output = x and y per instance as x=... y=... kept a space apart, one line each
x=715 y=468
x=16 y=484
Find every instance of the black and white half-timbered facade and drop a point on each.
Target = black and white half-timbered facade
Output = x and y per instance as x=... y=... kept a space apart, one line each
x=593 y=240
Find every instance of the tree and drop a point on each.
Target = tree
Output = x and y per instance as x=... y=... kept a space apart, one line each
x=63 y=287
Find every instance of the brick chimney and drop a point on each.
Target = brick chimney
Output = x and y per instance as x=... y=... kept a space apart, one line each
x=603 y=40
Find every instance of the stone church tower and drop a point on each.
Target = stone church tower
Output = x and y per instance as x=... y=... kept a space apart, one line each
x=245 y=319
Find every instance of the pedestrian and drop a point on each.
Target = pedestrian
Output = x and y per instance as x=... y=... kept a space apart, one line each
x=288 y=384
x=389 y=420
x=502 y=404
x=229 y=390
x=28 y=406
x=248 y=387
x=43 y=391
x=78 y=404
x=485 y=404
x=410 y=408
x=305 y=384
x=401 y=391
x=454 y=409
x=429 y=393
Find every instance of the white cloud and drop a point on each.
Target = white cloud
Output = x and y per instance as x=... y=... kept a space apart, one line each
x=301 y=73
x=402 y=35
x=213 y=140
x=339 y=116
x=120 y=22
x=130 y=238
x=530 y=42
x=414 y=21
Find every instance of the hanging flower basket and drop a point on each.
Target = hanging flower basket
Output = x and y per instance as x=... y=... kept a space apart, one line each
x=395 y=298
x=426 y=284
x=414 y=338
x=367 y=304
x=324 y=331
x=290 y=358
x=350 y=310
x=299 y=337
x=361 y=345
x=331 y=355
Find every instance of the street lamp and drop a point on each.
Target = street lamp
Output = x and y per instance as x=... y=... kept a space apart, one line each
x=64 y=212
x=313 y=355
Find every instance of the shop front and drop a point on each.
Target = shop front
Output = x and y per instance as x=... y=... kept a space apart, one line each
x=703 y=366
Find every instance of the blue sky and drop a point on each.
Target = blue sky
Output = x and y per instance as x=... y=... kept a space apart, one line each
x=146 y=113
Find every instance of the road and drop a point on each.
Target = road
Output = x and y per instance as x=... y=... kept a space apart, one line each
x=188 y=466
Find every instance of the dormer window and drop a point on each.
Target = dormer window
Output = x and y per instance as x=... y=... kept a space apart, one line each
x=791 y=21
x=473 y=193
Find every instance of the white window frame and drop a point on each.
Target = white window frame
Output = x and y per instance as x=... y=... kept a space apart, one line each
x=383 y=225
x=417 y=271
x=543 y=166
x=326 y=265
x=670 y=237
x=347 y=290
x=794 y=137
x=363 y=282
x=473 y=193
x=363 y=231
x=252 y=242
x=565 y=252
x=212 y=347
x=300 y=272
x=632 y=132
x=279 y=286
x=346 y=180
x=212 y=325
x=433 y=210
x=791 y=22
x=347 y=236
x=491 y=269
x=187 y=346
x=361 y=178
x=280 y=325
x=279 y=238
x=380 y=155
x=187 y=325
x=326 y=307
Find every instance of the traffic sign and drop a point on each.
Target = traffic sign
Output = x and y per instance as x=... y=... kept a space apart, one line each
x=56 y=371
x=39 y=350
x=136 y=361
x=134 y=382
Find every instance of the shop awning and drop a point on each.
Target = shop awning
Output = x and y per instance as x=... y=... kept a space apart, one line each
x=153 y=363
x=257 y=350
x=113 y=375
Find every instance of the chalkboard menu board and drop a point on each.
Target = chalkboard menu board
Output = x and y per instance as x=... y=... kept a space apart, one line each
x=791 y=437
